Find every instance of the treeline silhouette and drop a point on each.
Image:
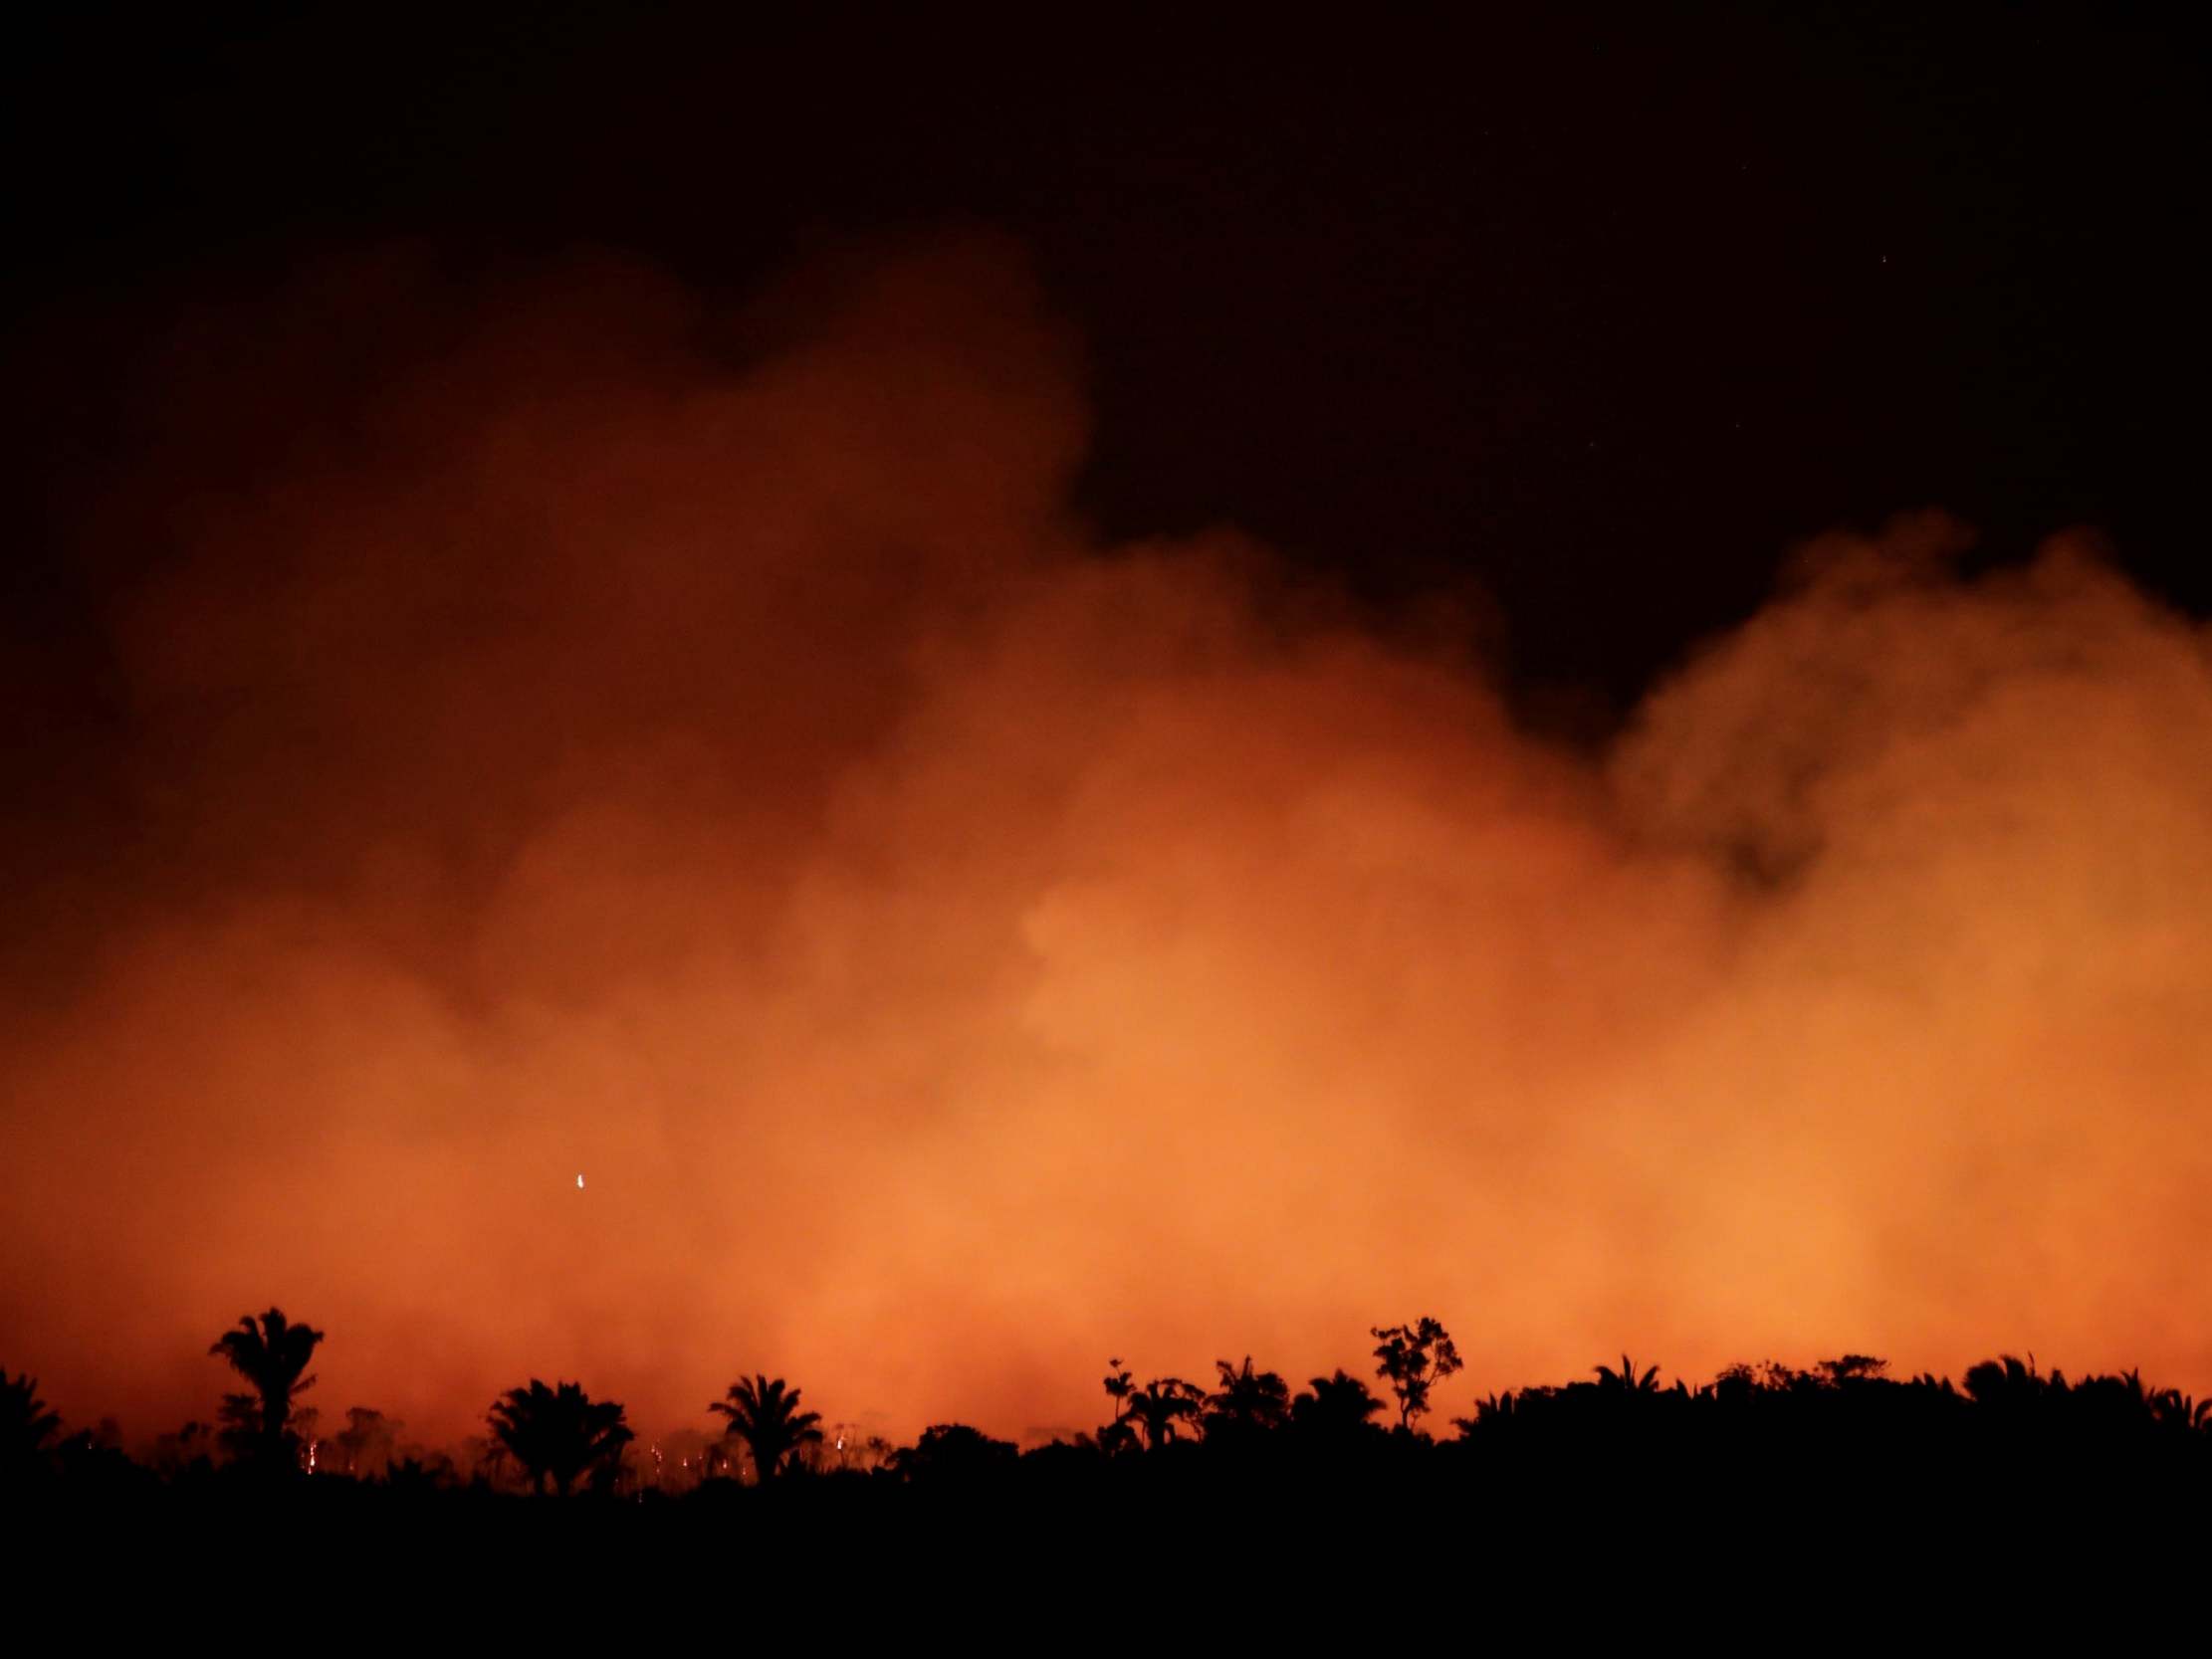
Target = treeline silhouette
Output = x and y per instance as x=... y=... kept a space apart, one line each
x=1843 y=1431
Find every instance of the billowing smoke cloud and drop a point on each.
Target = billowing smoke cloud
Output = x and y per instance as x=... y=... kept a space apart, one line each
x=571 y=729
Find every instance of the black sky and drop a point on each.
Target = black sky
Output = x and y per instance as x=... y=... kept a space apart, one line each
x=1599 y=313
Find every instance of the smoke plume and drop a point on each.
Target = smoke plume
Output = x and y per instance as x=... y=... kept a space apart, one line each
x=564 y=727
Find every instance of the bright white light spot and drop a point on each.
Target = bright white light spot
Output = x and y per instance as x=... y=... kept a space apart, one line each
x=580 y=1183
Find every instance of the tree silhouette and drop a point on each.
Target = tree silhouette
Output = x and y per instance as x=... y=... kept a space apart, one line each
x=238 y=1426
x=1625 y=1381
x=185 y=1450
x=1118 y=1435
x=2170 y=1408
x=367 y=1442
x=1414 y=1360
x=561 y=1433
x=1248 y=1401
x=955 y=1454
x=2004 y=1385
x=271 y=1354
x=1853 y=1368
x=1161 y=1404
x=1337 y=1406
x=1118 y=1388
x=1841 y=1429
x=27 y=1428
x=765 y=1414
x=1491 y=1411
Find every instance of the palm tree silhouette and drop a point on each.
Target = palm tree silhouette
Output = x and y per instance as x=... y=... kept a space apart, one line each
x=560 y=1433
x=765 y=1414
x=2170 y=1408
x=1492 y=1410
x=1119 y=1435
x=2005 y=1383
x=1118 y=1387
x=270 y=1353
x=1336 y=1405
x=1625 y=1381
x=1160 y=1404
x=1248 y=1400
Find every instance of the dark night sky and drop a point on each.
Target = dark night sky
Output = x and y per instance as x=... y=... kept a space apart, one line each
x=1600 y=315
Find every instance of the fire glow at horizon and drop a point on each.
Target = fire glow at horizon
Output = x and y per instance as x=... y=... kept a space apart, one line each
x=960 y=949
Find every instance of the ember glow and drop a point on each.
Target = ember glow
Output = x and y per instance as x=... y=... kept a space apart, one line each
x=571 y=728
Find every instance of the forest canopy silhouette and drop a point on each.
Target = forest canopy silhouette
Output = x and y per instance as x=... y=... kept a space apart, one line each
x=1841 y=1437
x=571 y=727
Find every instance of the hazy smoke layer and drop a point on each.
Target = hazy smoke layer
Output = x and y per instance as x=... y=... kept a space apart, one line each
x=570 y=730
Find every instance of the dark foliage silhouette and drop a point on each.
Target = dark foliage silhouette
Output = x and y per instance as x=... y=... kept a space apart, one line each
x=27 y=1430
x=365 y=1446
x=1853 y=1368
x=272 y=1354
x=238 y=1432
x=1119 y=1388
x=955 y=1454
x=1625 y=1381
x=417 y=1476
x=1247 y=1403
x=2176 y=1412
x=1760 y=1458
x=765 y=1414
x=2007 y=1385
x=1339 y=1409
x=560 y=1434
x=1161 y=1406
x=1120 y=1434
x=1413 y=1360
x=187 y=1452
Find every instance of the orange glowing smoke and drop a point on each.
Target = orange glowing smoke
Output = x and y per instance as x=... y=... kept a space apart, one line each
x=577 y=730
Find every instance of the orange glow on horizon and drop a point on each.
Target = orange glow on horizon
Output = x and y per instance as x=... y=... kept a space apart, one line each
x=958 y=950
